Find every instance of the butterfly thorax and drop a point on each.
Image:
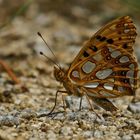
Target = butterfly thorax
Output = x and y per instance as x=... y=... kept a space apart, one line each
x=71 y=88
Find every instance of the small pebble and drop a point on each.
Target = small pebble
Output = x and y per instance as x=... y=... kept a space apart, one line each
x=127 y=137
x=136 y=136
x=134 y=107
x=28 y=114
x=51 y=135
x=88 y=134
x=9 y=120
x=98 y=134
x=66 y=131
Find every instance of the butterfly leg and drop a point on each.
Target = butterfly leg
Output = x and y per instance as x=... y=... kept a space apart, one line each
x=50 y=113
x=91 y=106
x=63 y=99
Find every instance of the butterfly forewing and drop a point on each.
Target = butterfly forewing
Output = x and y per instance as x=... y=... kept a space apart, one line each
x=105 y=67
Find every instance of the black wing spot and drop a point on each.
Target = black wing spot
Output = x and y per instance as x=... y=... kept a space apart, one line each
x=98 y=37
x=119 y=32
x=103 y=39
x=125 y=81
x=120 y=38
x=93 y=48
x=125 y=46
x=123 y=73
x=85 y=54
x=110 y=41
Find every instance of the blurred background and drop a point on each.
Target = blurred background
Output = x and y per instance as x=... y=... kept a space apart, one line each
x=65 y=25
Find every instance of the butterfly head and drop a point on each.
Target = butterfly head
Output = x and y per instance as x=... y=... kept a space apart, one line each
x=59 y=74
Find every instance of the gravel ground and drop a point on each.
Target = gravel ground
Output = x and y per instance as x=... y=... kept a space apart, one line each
x=23 y=107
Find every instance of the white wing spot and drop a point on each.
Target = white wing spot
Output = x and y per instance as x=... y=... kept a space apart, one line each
x=130 y=75
x=75 y=73
x=125 y=24
x=110 y=49
x=108 y=86
x=115 y=54
x=126 y=31
x=91 y=85
x=131 y=66
x=124 y=59
x=121 y=89
x=103 y=73
x=88 y=67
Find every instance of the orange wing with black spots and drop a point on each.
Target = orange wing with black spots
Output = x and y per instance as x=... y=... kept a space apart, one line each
x=106 y=67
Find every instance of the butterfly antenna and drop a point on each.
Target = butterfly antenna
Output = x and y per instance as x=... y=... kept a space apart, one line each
x=41 y=53
x=39 y=34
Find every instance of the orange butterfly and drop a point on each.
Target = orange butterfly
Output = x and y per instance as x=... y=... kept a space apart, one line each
x=105 y=67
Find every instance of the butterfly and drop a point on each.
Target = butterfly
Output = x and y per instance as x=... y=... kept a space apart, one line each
x=104 y=68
